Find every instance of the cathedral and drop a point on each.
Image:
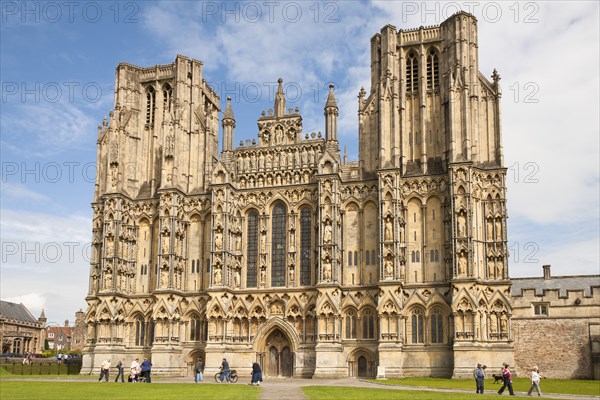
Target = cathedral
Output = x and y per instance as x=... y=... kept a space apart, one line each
x=282 y=251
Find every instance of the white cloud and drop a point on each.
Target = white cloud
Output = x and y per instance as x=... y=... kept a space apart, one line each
x=46 y=128
x=52 y=252
x=34 y=302
x=44 y=228
x=20 y=191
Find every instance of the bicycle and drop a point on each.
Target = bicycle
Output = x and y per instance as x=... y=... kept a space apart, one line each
x=233 y=376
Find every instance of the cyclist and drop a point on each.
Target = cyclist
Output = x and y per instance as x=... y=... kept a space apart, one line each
x=225 y=370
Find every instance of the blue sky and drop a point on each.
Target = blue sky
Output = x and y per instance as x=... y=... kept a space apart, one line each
x=57 y=70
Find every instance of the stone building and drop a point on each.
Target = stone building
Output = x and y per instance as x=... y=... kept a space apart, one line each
x=282 y=251
x=58 y=337
x=67 y=337
x=20 y=332
x=556 y=325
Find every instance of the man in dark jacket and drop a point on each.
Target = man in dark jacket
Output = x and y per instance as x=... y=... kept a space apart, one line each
x=146 y=367
x=225 y=370
x=198 y=370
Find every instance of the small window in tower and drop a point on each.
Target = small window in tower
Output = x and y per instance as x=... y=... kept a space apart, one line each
x=150 y=105
x=412 y=73
x=167 y=97
x=432 y=70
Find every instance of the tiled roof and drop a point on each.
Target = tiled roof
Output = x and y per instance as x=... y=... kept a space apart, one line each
x=16 y=311
x=562 y=283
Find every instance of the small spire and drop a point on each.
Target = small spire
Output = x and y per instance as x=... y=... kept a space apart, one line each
x=228 y=111
x=495 y=76
x=279 y=99
x=345 y=155
x=331 y=98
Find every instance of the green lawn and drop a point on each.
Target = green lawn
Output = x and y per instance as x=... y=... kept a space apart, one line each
x=101 y=390
x=337 y=392
x=559 y=386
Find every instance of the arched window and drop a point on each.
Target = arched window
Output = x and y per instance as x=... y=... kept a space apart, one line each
x=252 y=250
x=413 y=256
x=412 y=73
x=433 y=80
x=140 y=331
x=17 y=345
x=367 y=257
x=351 y=325
x=368 y=323
x=305 y=245
x=355 y=257
x=196 y=326
x=150 y=105
x=417 y=326
x=349 y=258
x=437 y=326
x=167 y=96
x=418 y=256
x=278 y=250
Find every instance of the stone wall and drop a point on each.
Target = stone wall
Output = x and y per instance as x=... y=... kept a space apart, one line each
x=559 y=347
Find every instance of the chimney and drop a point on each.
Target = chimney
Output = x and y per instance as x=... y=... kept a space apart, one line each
x=547 y=276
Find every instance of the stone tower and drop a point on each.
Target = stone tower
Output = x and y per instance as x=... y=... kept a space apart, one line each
x=430 y=131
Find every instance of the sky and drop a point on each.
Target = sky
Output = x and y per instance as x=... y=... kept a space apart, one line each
x=57 y=71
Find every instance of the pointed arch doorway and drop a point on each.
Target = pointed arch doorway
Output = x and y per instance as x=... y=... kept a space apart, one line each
x=279 y=358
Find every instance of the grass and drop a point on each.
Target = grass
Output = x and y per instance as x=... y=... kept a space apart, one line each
x=337 y=392
x=558 y=386
x=10 y=390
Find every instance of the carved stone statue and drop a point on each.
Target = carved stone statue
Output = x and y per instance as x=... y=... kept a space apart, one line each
x=327 y=271
x=461 y=226
x=462 y=264
x=218 y=241
x=164 y=278
x=388 y=230
x=108 y=280
x=327 y=234
x=217 y=276
x=237 y=278
x=389 y=268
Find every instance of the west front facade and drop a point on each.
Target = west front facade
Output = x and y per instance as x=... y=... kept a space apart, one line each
x=280 y=250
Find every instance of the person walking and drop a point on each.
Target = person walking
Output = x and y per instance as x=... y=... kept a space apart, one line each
x=535 y=382
x=256 y=374
x=506 y=381
x=146 y=367
x=120 y=370
x=199 y=370
x=479 y=375
x=104 y=370
x=225 y=371
x=135 y=370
